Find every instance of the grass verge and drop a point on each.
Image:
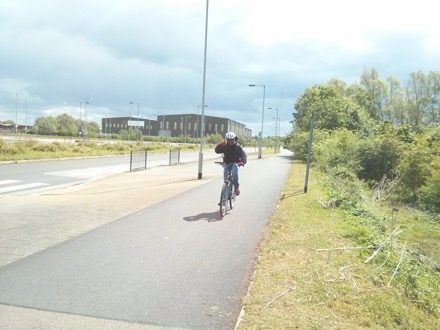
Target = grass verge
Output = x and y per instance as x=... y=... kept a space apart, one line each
x=32 y=149
x=313 y=271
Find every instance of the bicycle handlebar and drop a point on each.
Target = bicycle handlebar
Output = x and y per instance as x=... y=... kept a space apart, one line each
x=224 y=164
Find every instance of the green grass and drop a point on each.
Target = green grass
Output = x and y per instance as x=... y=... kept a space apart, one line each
x=296 y=286
x=32 y=149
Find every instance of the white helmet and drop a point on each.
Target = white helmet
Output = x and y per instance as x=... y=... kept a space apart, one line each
x=230 y=136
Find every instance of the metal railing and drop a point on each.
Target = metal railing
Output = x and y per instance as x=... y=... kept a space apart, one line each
x=139 y=159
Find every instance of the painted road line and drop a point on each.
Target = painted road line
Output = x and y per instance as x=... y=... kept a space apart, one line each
x=9 y=181
x=23 y=187
x=92 y=172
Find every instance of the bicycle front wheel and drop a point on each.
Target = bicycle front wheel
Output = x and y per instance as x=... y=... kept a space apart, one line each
x=224 y=199
x=231 y=197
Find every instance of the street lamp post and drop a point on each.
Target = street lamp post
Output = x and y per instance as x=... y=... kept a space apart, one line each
x=262 y=120
x=199 y=131
x=149 y=123
x=202 y=130
x=186 y=126
x=163 y=125
x=276 y=128
x=16 y=114
x=128 y=122
x=181 y=130
x=138 y=129
x=25 y=118
x=85 y=120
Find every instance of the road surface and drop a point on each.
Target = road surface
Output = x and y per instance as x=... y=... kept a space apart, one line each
x=174 y=264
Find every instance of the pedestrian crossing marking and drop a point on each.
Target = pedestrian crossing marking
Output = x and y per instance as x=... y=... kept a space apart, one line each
x=8 y=181
x=23 y=187
x=92 y=172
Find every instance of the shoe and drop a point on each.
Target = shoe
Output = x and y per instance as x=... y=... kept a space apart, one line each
x=237 y=191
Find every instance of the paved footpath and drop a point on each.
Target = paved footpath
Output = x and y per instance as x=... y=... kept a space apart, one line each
x=31 y=223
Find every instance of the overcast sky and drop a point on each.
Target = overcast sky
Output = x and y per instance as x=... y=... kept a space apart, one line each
x=56 y=54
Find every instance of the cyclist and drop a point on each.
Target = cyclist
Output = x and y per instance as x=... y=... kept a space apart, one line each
x=232 y=153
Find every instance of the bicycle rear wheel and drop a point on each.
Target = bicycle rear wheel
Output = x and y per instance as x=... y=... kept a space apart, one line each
x=224 y=199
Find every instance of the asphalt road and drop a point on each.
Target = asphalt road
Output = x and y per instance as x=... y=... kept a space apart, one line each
x=24 y=177
x=173 y=264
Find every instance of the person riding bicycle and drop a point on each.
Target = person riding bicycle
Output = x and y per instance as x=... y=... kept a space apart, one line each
x=233 y=153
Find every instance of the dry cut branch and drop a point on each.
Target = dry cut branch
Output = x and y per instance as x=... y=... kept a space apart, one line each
x=280 y=295
x=348 y=248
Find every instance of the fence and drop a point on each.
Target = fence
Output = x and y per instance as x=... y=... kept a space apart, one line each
x=139 y=159
x=174 y=157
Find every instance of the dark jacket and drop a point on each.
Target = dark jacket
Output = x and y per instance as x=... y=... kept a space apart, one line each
x=231 y=153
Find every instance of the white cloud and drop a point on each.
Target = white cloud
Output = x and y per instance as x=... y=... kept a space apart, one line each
x=57 y=53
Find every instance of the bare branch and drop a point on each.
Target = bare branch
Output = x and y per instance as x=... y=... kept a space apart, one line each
x=402 y=256
x=280 y=295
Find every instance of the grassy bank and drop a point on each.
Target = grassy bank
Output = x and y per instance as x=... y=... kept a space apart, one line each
x=323 y=268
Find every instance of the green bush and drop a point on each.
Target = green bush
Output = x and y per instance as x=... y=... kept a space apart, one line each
x=341 y=149
x=414 y=169
x=380 y=156
x=430 y=192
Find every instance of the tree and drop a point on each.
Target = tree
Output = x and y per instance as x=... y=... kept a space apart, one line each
x=66 y=125
x=332 y=109
x=433 y=93
x=45 y=126
x=417 y=97
x=376 y=90
x=395 y=108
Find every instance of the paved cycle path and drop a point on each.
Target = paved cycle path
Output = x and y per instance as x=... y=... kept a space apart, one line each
x=174 y=264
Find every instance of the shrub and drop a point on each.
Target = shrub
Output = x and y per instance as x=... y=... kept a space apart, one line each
x=430 y=192
x=414 y=169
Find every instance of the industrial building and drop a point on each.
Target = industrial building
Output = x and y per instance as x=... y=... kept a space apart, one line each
x=188 y=125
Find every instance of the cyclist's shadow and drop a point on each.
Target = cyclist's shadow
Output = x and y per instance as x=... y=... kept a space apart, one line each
x=210 y=217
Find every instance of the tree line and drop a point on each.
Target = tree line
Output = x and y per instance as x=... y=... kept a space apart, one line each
x=61 y=125
x=377 y=132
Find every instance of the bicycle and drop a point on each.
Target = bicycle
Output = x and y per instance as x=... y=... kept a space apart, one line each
x=227 y=196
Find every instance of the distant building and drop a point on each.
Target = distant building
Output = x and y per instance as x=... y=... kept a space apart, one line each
x=188 y=125
x=11 y=128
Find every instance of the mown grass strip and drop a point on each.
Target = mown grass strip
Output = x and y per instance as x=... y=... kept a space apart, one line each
x=314 y=274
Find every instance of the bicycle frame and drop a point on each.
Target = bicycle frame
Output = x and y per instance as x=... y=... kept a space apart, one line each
x=227 y=196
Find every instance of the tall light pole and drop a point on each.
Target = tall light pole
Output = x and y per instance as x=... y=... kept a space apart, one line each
x=276 y=128
x=260 y=147
x=181 y=130
x=163 y=125
x=149 y=123
x=16 y=114
x=198 y=109
x=85 y=120
x=128 y=122
x=80 y=121
x=138 y=129
x=186 y=126
x=25 y=118
x=202 y=130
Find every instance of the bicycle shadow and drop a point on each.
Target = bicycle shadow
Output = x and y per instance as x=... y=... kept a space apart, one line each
x=209 y=217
